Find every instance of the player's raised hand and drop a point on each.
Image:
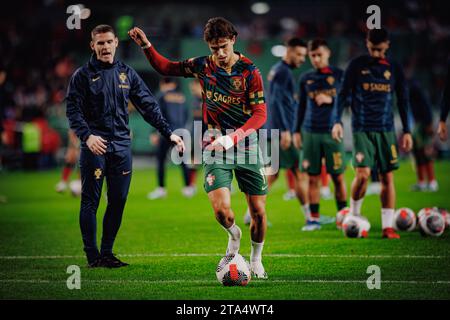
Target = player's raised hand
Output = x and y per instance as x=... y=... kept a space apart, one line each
x=442 y=131
x=297 y=140
x=220 y=144
x=406 y=142
x=178 y=142
x=138 y=36
x=337 y=133
x=96 y=144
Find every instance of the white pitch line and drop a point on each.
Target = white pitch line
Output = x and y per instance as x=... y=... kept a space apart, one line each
x=181 y=281
x=274 y=255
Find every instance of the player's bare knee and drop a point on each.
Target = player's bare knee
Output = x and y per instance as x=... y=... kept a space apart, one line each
x=362 y=175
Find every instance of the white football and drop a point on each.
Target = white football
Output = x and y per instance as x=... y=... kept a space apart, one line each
x=355 y=226
x=404 y=219
x=431 y=222
x=233 y=270
x=340 y=216
x=75 y=188
x=446 y=215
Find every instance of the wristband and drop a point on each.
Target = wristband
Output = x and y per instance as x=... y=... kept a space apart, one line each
x=146 y=46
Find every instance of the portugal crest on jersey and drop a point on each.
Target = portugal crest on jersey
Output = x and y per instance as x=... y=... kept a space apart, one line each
x=330 y=80
x=237 y=83
x=210 y=179
x=123 y=77
x=387 y=74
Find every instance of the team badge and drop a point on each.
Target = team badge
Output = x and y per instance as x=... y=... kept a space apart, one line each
x=330 y=80
x=210 y=179
x=387 y=74
x=98 y=173
x=359 y=157
x=305 y=164
x=237 y=83
x=123 y=77
x=209 y=94
x=366 y=86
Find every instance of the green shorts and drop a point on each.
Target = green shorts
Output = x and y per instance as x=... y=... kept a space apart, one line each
x=251 y=178
x=375 y=147
x=321 y=145
x=422 y=145
x=289 y=158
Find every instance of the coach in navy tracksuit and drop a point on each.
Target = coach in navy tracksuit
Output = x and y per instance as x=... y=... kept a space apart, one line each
x=97 y=109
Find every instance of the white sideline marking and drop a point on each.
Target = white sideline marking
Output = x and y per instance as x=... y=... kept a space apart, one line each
x=274 y=255
x=39 y=281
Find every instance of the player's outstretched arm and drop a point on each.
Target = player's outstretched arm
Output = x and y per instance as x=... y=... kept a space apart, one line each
x=161 y=64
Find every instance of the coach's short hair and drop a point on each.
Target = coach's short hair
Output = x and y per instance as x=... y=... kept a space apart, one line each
x=377 y=36
x=217 y=28
x=295 y=42
x=102 y=28
x=316 y=43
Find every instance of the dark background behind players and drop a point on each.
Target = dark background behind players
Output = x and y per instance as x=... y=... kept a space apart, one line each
x=36 y=82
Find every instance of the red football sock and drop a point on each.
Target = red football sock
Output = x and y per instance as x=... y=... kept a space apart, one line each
x=324 y=176
x=421 y=171
x=430 y=171
x=290 y=179
x=192 y=177
x=67 y=170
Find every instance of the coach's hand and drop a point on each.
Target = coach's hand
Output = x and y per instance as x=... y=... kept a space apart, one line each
x=442 y=131
x=297 y=140
x=178 y=142
x=138 y=36
x=406 y=142
x=337 y=133
x=286 y=140
x=96 y=144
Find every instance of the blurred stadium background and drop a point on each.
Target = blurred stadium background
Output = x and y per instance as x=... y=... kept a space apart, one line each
x=39 y=54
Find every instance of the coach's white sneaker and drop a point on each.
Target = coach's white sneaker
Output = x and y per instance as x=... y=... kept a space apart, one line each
x=189 y=191
x=158 y=193
x=257 y=270
x=433 y=186
x=289 y=195
x=61 y=187
x=325 y=193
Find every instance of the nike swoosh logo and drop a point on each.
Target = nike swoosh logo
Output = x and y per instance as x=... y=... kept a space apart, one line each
x=124 y=173
x=95 y=79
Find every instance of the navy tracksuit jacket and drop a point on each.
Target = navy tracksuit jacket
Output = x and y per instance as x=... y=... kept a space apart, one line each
x=97 y=103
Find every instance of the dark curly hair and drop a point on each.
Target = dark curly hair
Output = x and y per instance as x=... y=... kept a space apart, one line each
x=217 y=28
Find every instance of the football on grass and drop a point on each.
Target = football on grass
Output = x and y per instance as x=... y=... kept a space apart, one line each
x=233 y=270
x=355 y=226
x=431 y=222
x=404 y=219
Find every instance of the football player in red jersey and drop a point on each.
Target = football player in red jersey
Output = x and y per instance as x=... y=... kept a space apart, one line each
x=233 y=100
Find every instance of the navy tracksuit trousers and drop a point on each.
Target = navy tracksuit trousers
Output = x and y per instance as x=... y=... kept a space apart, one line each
x=116 y=168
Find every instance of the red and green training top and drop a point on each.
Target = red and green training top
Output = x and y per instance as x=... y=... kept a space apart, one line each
x=232 y=99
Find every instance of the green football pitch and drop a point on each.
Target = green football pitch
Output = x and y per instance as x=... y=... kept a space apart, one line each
x=173 y=246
